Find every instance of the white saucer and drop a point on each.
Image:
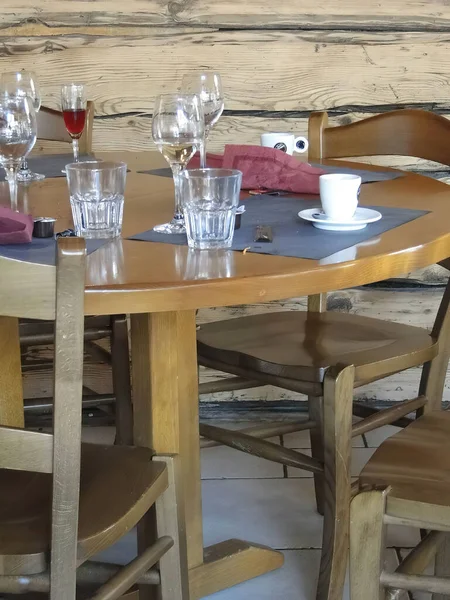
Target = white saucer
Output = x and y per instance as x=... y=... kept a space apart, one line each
x=360 y=219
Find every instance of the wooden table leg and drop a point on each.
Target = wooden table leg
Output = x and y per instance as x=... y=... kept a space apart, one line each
x=11 y=394
x=337 y=420
x=165 y=401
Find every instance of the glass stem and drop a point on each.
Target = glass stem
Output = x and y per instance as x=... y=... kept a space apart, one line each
x=75 y=149
x=11 y=176
x=203 y=150
x=203 y=154
x=24 y=165
x=176 y=170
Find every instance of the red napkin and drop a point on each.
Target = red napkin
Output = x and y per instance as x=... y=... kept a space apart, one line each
x=266 y=168
x=15 y=228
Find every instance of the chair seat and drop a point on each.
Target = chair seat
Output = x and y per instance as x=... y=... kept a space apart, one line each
x=118 y=485
x=302 y=345
x=415 y=462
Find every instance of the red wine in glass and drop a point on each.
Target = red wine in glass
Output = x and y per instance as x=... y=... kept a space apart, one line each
x=73 y=106
x=75 y=120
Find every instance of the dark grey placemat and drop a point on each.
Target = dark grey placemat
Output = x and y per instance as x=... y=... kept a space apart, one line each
x=366 y=176
x=51 y=165
x=291 y=235
x=42 y=250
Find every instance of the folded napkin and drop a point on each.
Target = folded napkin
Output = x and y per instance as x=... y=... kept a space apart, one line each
x=266 y=168
x=15 y=227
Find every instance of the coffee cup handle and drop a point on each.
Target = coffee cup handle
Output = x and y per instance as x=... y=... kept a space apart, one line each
x=301 y=144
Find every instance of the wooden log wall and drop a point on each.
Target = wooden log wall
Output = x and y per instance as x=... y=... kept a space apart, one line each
x=278 y=60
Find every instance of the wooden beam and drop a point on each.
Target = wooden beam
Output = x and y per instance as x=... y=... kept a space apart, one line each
x=302 y=14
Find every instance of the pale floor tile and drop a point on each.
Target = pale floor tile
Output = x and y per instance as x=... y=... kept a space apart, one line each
x=227 y=463
x=275 y=512
x=360 y=456
x=377 y=436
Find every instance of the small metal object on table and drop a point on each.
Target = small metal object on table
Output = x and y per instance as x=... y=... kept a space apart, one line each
x=263 y=233
x=44 y=227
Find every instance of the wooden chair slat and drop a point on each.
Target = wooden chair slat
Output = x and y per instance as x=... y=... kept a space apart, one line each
x=26 y=450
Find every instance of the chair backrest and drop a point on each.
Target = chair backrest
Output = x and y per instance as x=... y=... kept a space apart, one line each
x=50 y=125
x=53 y=293
x=408 y=132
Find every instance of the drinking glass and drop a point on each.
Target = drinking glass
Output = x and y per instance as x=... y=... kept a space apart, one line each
x=178 y=130
x=17 y=137
x=23 y=83
x=208 y=85
x=210 y=198
x=73 y=106
x=96 y=191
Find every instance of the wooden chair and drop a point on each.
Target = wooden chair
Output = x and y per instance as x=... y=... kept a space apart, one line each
x=57 y=501
x=304 y=352
x=406 y=482
x=51 y=127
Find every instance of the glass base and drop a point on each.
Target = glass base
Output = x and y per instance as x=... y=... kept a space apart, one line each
x=175 y=226
x=99 y=234
x=209 y=245
x=25 y=176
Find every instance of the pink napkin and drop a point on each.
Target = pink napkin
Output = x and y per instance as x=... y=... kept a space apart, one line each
x=266 y=168
x=15 y=228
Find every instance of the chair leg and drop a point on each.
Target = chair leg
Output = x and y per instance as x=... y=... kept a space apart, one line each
x=173 y=565
x=442 y=565
x=337 y=412
x=367 y=545
x=120 y=359
x=315 y=409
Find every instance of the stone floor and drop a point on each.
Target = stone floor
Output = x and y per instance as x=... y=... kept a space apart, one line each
x=263 y=502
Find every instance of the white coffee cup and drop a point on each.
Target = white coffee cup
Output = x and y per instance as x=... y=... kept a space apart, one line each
x=286 y=142
x=339 y=195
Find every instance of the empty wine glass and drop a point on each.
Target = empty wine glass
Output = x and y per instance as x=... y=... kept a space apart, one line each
x=17 y=137
x=178 y=130
x=74 y=106
x=208 y=85
x=23 y=83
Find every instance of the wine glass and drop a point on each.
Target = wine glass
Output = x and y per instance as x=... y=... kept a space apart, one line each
x=17 y=137
x=208 y=85
x=178 y=130
x=74 y=106
x=23 y=83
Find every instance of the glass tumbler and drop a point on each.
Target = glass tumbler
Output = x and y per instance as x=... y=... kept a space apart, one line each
x=209 y=199
x=96 y=191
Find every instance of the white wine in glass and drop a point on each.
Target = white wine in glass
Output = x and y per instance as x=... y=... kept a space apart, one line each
x=208 y=85
x=177 y=152
x=178 y=129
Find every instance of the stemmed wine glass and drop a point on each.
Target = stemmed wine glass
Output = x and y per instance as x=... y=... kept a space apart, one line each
x=178 y=130
x=208 y=85
x=74 y=106
x=23 y=83
x=17 y=137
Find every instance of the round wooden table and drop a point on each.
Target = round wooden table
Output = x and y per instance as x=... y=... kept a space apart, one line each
x=161 y=286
